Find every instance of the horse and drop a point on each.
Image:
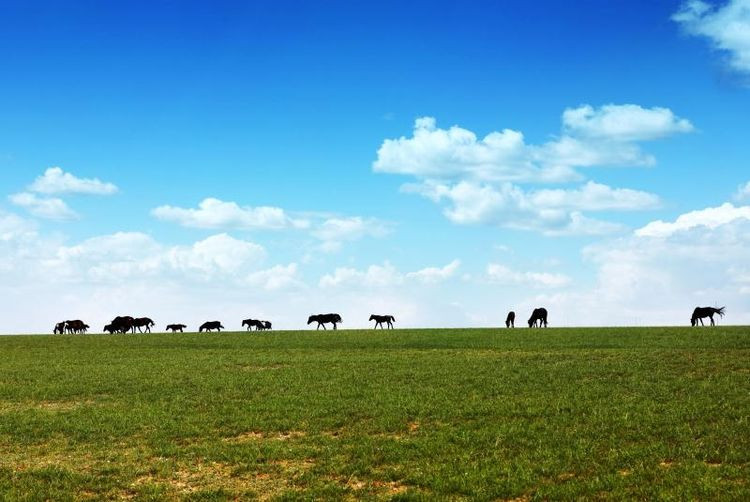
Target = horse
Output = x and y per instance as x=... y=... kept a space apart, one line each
x=209 y=325
x=700 y=312
x=76 y=326
x=59 y=328
x=174 y=328
x=510 y=321
x=323 y=319
x=111 y=329
x=144 y=322
x=540 y=315
x=250 y=323
x=380 y=319
x=124 y=323
x=266 y=325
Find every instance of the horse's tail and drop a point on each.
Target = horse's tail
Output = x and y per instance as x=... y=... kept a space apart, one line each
x=720 y=311
x=393 y=319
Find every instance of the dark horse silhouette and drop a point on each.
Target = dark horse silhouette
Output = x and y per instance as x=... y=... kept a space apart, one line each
x=174 y=328
x=510 y=321
x=253 y=323
x=123 y=324
x=323 y=319
x=539 y=315
x=700 y=312
x=209 y=325
x=266 y=324
x=380 y=319
x=59 y=328
x=76 y=326
x=143 y=322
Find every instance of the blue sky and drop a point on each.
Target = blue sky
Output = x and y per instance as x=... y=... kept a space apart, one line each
x=298 y=121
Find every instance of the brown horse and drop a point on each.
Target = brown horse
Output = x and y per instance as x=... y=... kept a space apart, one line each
x=323 y=319
x=143 y=322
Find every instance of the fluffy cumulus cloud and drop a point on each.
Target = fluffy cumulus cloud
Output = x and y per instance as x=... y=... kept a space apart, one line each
x=51 y=208
x=215 y=213
x=608 y=135
x=552 y=212
x=480 y=180
x=386 y=276
x=276 y=278
x=334 y=231
x=501 y=274
x=432 y=275
x=56 y=181
x=710 y=218
x=727 y=27
x=131 y=256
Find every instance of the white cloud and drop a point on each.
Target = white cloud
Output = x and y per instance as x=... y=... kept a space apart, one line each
x=14 y=228
x=56 y=181
x=727 y=27
x=743 y=192
x=215 y=213
x=334 y=231
x=275 y=278
x=128 y=256
x=49 y=208
x=375 y=276
x=552 y=212
x=432 y=275
x=591 y=137
x=623 y=122
x=501 y=274
x=711 y=218
x=595 y=197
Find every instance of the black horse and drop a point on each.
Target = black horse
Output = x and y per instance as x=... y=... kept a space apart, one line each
x=700 y=312
x=539 y=315
x=209 y=325
x=123 y=323
x=510 y=321
x=143 y=322
x=380 y=319
x=323 y=319
x=266 y=324
x=76 y=326
x=253 y=323
x=59 y=328
x=174 y=328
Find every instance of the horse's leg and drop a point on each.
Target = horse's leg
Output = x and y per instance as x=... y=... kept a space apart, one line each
x=334 y=326
x=712 y=320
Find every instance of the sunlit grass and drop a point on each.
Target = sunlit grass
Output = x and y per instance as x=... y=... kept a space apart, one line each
x=408 y=414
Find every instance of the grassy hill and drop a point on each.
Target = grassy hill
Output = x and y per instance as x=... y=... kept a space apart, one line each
x=481 y=414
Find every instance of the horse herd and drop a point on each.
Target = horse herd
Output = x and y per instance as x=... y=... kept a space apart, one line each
x=125 y=324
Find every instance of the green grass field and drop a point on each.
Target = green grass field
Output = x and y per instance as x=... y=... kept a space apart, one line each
x=475 y=414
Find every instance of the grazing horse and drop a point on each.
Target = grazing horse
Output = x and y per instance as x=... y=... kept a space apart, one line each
x=510 y=321
x=250 y=323
x=700 y=312
x=380 y=319
x=266 y=325
x=539 y=315
x=143 y=322
x=59 y=328
x=123 y=324
x=76 y=326
x=323 y=319
x=111 y=329
x=209 y=325
x=174 y=328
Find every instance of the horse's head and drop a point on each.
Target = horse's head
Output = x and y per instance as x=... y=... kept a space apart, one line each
x=372 y=317
x=311 y=319
x=246 y=322
x=531 y=322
